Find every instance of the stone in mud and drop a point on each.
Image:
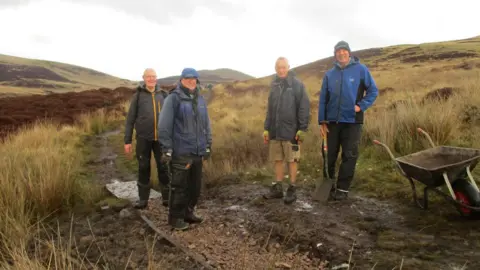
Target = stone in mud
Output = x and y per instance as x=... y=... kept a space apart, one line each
x=128 y=190
x=124 y=213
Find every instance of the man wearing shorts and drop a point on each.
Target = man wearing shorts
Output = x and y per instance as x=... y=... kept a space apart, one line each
x=286 y=121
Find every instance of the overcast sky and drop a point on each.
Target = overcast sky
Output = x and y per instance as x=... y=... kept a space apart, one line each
x=123 y=37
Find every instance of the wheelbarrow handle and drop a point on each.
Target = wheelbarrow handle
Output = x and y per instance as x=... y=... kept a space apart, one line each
x=377 y=142
x=426 y=135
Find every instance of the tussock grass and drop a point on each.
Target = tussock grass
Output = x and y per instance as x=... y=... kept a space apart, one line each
x=40 y=176
x=237 y=123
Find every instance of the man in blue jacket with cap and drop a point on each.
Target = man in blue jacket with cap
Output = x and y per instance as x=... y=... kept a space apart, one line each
x=185 y=136
x=348 y=90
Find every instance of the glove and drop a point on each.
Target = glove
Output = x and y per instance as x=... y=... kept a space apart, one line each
x=167 y=157
x=207 y=154
x=300 y=136
x=265 y=136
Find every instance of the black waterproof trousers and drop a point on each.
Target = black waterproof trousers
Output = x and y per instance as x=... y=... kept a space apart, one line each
x=185 y=186
x=347 y=137
x=144 y=151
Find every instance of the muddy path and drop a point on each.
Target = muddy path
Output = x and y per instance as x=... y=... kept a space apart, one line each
x=244 y=231
x=113 y=236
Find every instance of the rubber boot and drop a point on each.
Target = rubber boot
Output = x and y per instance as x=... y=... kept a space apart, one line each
x=177 y=223
x=190 y=217
x=143 y=195
x=165 y=190
x=276 y=191
x=290 y=195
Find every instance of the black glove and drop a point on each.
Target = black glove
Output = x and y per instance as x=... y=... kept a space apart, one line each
x=167 y=156
x=207 y=154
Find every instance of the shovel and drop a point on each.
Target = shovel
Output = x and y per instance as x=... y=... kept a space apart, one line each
x=323 y=188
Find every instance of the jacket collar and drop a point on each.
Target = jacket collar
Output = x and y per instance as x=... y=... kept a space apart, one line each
x=353 y=60
x=290 y=76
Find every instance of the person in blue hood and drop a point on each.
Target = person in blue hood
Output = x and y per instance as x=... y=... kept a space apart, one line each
x=348 y=90
x=185 y=136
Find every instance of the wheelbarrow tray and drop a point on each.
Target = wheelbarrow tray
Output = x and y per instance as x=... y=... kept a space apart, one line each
x=428 y=166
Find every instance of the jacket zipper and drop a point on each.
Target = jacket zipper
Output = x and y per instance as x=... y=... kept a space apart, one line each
x=154 y=118
x=340 y=95
x=195 y=114
x=277 y=109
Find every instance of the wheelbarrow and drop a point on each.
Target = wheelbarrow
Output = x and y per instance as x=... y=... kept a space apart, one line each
x=442 y=165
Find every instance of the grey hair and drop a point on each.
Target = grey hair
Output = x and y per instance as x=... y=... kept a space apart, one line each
x=149 y=69
x=281 y=58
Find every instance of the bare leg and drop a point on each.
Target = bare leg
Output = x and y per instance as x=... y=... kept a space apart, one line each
x=292 y=167
x=279 y=170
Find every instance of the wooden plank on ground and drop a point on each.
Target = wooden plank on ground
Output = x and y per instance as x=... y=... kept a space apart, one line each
x=194 y=255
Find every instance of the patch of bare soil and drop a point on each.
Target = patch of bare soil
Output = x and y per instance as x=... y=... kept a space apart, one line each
x=441 y=94
x=243 y=230
x=10 y=72
x=439 y=56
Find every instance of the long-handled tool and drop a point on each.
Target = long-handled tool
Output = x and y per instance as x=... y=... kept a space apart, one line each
x=322 y=189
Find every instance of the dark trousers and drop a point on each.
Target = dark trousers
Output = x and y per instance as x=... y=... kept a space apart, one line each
x=144 y=150
x=186 y=185
x=347 y=137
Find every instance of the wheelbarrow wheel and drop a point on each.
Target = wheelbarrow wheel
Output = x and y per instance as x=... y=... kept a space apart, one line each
x=466 y=194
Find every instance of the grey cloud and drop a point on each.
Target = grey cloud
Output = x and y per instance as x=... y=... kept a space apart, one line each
x=155 y=10
x=159 y=10
x=336 y=18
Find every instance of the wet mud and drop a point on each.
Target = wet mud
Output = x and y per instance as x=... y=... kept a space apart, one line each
x=244 y=231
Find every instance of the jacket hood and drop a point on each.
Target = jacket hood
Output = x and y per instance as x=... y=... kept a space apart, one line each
x=290 y=76
x=353 y=61
x=143 y=87
x=181 y=90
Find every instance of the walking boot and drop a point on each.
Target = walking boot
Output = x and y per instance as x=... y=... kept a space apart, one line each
x=177 y=224
x=190 y=217
x=276 y=191
x=290 y=195
x=340 y=195
x=165 y=190
x=143 y=196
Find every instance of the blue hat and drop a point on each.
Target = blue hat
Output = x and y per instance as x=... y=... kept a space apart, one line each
x=189 y=73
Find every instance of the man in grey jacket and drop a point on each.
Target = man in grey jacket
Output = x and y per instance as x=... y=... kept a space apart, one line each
x=143 y=114
x=286 y=121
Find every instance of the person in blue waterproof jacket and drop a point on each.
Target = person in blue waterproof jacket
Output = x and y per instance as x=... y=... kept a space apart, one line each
x=185 y=136
x=348 y=90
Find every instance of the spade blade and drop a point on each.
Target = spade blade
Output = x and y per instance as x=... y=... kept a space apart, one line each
x=322 y=190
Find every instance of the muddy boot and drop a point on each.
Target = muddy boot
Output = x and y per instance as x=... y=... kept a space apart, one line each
x=276 y=191
x=190 y=217
x=143 y=195
x=165 y=190
x=340 y=195
x=177 y=224
x=290 y=195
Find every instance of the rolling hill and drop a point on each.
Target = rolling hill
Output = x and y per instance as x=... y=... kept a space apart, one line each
x=399 y=67
x=31 y=76
x=215 y=76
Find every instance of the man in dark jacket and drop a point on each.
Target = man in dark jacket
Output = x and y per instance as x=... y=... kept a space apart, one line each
x=143 y=113
x=186 y=139
x=286 y=121
x=348 y=90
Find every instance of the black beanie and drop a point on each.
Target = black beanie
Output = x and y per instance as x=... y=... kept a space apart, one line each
x=341 y=45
